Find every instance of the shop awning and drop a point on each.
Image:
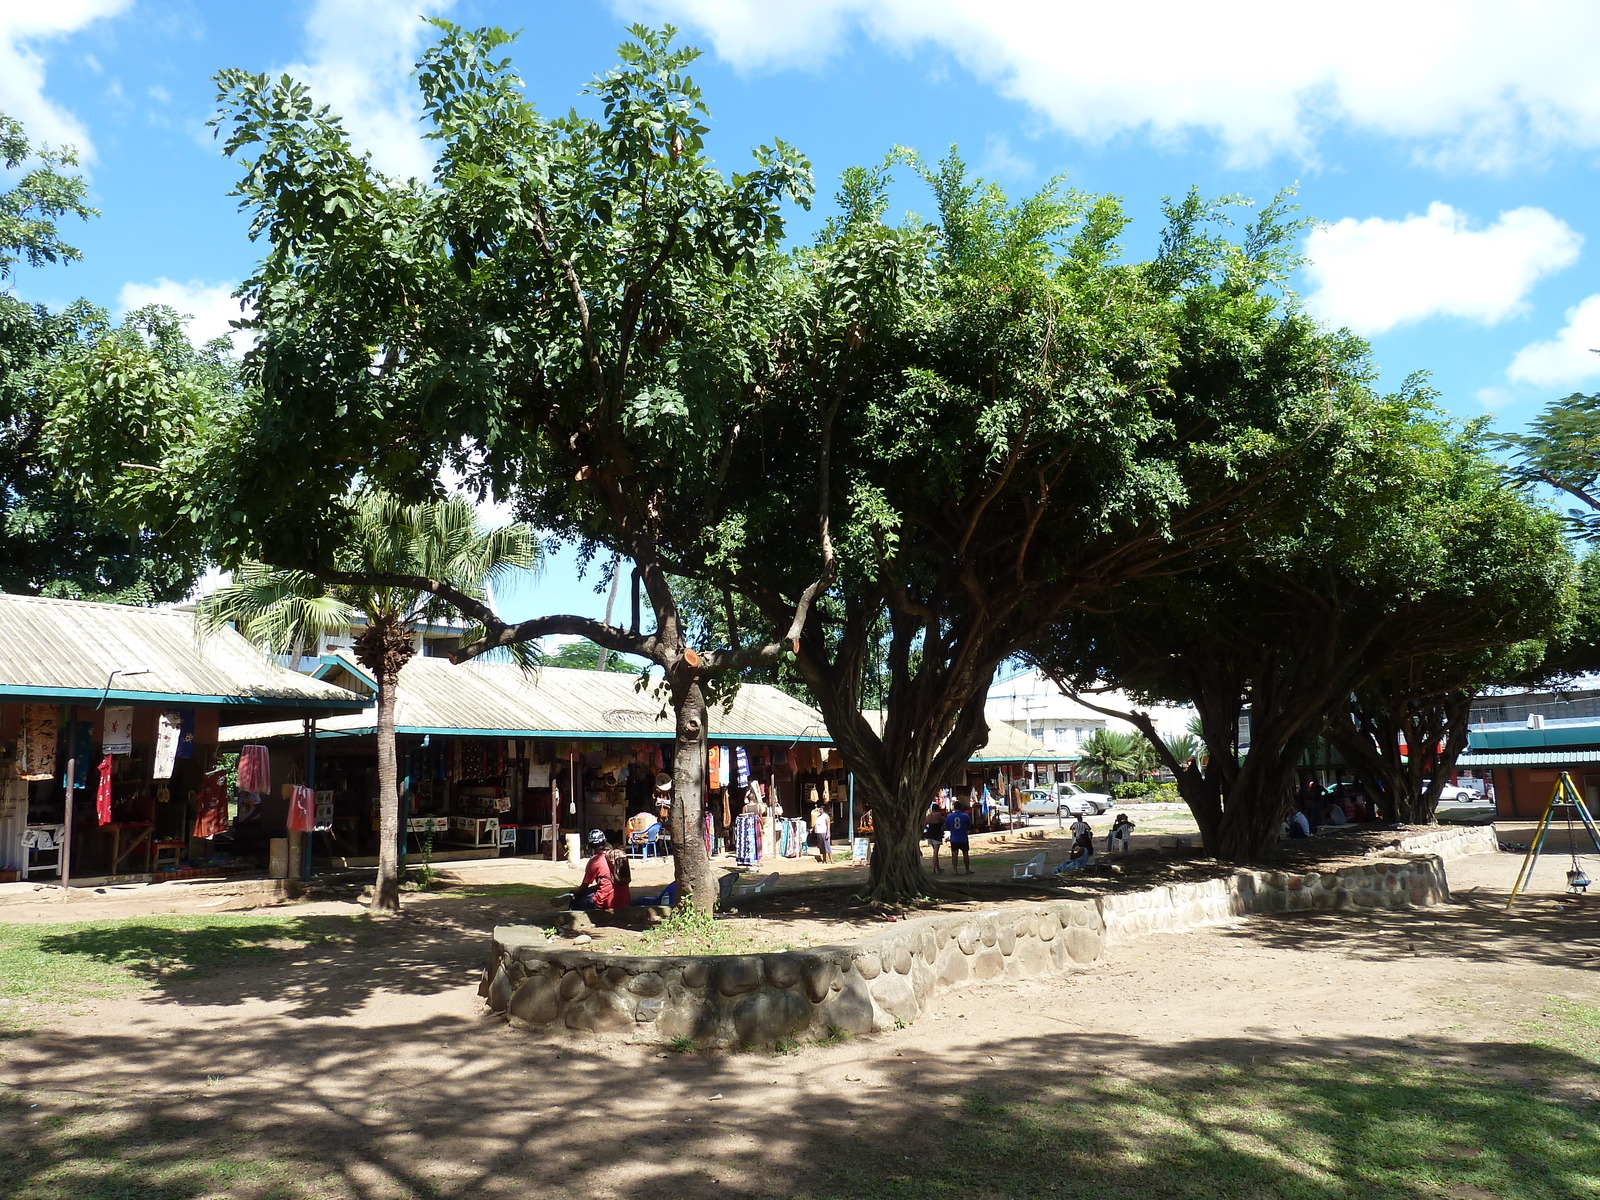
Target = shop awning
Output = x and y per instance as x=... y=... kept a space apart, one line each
x=1530 y=758
x=488 y=699
x=66 y=651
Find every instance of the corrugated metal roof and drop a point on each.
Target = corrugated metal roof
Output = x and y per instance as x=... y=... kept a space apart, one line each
x=66 y=650
x=1006 y=743
x=1529 y=758
x=499 y=699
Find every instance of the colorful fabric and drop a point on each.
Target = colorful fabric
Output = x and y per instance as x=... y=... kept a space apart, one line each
x=741 y=767
x=169 y=730
x=186 y=733
x=116 y=735
x=302 y=809
x=102 y=796
x=255 y=771
x=37 y=743
x=747 y=840
x=211 y=812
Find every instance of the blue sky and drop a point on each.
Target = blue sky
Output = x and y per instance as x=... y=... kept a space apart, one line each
x=1448 y=148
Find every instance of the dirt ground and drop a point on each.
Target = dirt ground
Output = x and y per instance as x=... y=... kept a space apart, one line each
x=370 y=1069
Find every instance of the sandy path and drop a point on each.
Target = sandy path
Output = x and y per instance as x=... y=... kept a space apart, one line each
x=373 y=1071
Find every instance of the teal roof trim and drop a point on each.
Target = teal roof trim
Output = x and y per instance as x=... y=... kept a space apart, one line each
x=1554 y=736
x=35 y=694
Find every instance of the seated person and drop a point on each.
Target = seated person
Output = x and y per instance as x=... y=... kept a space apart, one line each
x=605 y=879
x=1121 y=835
x=1334 y=814
x=1298 y=826
x=1082 y=852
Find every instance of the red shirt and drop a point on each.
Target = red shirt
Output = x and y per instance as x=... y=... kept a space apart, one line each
x=607 y=894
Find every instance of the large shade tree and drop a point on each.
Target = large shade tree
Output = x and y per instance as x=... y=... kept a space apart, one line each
x=287 y=611
x=1034 y=422
x=565 y=315
x=51 y=543
x=1401 y=553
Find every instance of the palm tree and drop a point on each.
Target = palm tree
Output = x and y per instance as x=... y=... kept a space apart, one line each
x=285 y=611
x=1106 y=753
x=1184 y=746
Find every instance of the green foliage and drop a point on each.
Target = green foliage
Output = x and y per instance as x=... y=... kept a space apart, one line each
x=585 y=656
x=288 y=611
x=1399 y=566
x=1110 y=756
x=42 y=194
x=50 y=542
x=1561 y=450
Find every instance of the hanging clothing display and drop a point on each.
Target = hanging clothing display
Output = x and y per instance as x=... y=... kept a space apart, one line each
x=724 y=767
x=255 y=770
x=102 y=796
x=169 y=730
x=710 y=834
x=747 y=840
x=116 y=735
x=302 y=809
x=211 y=811
x=37 y=745
x=741 y=766
x=186 y=733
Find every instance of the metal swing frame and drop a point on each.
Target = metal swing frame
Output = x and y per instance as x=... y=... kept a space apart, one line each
x=1565 y=795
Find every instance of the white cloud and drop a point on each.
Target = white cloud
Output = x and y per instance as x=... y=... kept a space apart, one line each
x=1375 y=274
x=22 y=68
x=1567 y=359
x=208 y=306
x=1474 y=83
x=360 y=56
x=999 y=159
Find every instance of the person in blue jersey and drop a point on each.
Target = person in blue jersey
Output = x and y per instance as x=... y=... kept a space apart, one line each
x=958 y=825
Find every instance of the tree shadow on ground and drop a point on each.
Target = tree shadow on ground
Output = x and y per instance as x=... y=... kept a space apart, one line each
x=1473 y=926
x=443 y=1109
x=320 y=966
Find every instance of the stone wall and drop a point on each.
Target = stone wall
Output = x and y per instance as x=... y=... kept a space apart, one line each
x=747 y=999
x=888 y=979
x=1451 y=842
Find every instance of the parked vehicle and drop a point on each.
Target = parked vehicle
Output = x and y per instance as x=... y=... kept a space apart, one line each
x=1078 y=801
x=1040 y=802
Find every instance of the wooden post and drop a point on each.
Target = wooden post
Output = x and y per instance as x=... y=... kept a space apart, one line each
x=65 y=849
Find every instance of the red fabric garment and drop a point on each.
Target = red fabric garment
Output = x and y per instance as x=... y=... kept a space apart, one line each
x=255 y=770
x=211 y=816
x=607 y=894
x=102 y=797
x=302 y=810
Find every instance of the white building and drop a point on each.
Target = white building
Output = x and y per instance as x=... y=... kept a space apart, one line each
x=1029 y=702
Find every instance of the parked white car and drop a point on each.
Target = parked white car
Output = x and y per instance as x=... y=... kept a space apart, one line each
x=1079 y=802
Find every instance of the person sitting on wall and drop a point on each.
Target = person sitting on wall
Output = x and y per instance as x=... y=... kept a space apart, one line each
x=605 y=879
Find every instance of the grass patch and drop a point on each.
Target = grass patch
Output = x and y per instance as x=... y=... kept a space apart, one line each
x=50 y=965
x=1379 y=1128
x=506 y=891
x=1569 y=1027
x=689 y=931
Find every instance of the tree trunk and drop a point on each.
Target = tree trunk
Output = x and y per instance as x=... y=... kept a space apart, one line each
x=897 y=825
x=384 y=648
x=691 y=866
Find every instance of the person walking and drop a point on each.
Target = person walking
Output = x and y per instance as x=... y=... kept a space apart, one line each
x=959 y=826
x=822 y=833
x=933 y=830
